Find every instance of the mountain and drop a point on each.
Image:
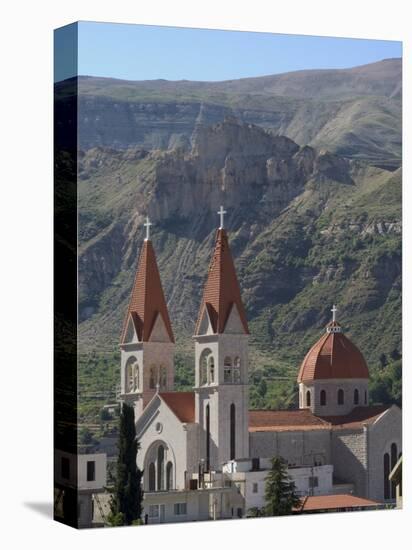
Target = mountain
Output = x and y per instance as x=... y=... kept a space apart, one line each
x=307 y=228
x=353 y=112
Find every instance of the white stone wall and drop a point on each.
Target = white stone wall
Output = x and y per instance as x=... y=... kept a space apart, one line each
x=252 y=483
x=385 y=431
x=349 y=457
x=296 y=447
x=173 y=435
x=331 y=388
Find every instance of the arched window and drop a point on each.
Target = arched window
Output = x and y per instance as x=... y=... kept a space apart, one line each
x=227 y=370
x=211 y=367
x=232 y=431
x=163 y=377
x=322 y=398
x=131 y=366
x=308 y=398
x=341 y=397
x=136 y=377
x=160 y=467
x=236 y=370
x=356 y=397
x=204 y=363
x=207 y=414
x=366 y=398
x=153 y=377
x=152 y=477
x=386 y=482
x=394 y=458
x=169 y=476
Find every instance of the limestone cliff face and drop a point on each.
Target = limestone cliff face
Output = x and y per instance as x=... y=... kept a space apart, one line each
x=306 y=228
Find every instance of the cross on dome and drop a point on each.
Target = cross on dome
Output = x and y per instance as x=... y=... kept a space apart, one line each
x=333 y=326
x=147 y=226
x=221 y=213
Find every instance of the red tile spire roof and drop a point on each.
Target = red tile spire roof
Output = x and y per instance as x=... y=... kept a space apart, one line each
x=333 y=356
x=147 y=300
x=222 y=290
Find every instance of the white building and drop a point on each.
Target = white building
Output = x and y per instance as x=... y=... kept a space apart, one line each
x=204 y=454
x=79 y=476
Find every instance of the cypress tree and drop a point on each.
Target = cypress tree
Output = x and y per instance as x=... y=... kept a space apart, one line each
x=126 y=502
x=280 y=490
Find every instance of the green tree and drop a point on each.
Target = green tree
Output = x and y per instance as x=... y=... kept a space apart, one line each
x=127 y=497
x=280 y=491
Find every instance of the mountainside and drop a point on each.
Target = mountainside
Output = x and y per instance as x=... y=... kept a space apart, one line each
x=353 y=112
x=307 y=228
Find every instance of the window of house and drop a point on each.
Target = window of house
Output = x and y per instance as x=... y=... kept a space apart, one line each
x=152 y=477
x=356 y=397
x=366 y=397
x=255 y=488
x=211 y=364
x=255 y=463
x=341 y=397
x=232 y=431
x=313 y=482
x=163 y=377
x=154 y=511
x=308 y=398
x=206 y=368
x=153 y=377
x=323 y=398
x=227 y=370
x=65 y=467
x=91 y=470
x=180 y=509
x=386 y=482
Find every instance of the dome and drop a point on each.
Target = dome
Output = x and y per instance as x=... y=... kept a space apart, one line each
x=333 y=356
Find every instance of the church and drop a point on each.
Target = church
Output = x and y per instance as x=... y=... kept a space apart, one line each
x=204 y=454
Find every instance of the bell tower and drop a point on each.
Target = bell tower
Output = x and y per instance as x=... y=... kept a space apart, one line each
x=147 y=340
x=221 y=354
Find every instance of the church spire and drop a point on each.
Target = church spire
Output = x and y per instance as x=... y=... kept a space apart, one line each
x=221 y=292
x=147 y=301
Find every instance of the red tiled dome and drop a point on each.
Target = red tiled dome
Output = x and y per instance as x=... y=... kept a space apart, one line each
x=333 y=356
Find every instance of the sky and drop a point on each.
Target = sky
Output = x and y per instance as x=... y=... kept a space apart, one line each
x=139 y=52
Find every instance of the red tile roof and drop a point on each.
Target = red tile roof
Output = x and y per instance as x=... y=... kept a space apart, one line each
x=333 y=356
x=278 y=421
x=304 y=419
x=182 y=403
x=359 y=417
x=222 y=288
x=334 y=502
x=147 y=300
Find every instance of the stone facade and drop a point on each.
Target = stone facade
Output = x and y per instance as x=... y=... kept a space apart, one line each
x=355 y=394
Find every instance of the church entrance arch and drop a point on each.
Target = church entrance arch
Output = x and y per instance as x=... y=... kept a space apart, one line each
x=159 y=467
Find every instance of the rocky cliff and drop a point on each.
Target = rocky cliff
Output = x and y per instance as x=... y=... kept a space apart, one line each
x=307 y=228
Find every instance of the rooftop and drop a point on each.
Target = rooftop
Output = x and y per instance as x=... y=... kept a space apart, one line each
x=222 y=289
x=304 y=419
x=335 y=502
x=182 y=403
x=333 y=356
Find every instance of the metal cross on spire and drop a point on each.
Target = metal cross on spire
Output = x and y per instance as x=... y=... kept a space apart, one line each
x=147 y=226
x=221 y=214
x=334 y=310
